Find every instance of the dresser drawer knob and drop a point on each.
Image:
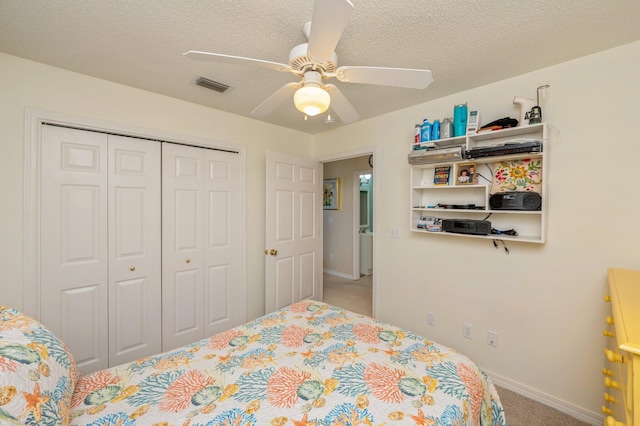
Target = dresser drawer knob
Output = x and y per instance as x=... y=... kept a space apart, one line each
x=613 y=356
x=611 y=383
x=609 y=398
x=610 y=320
x=607 y=372
x=608 y=333
x=607 y=298
x=610 y=421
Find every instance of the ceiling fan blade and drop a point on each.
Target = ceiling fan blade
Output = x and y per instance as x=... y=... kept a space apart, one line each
x=329 y=20
x=272 y=102
x=217 y=57
x=341 y=106
x=397 y=77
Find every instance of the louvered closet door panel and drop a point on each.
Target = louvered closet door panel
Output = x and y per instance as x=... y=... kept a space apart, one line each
x=183 y=245
x=73 y=255
x=221 y=257
x=134 y=249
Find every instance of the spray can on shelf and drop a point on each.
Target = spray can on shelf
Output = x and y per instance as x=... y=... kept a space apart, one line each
x=435 y=130
x=446 y=129
x=425 y=134
x=460 y=120
x=416 y=138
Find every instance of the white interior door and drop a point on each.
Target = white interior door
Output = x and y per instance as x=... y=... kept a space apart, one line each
x=293 y=266
x=203 y=290
x=134 y=249
x=182 y=245
x=74 y=259
x=223 y=291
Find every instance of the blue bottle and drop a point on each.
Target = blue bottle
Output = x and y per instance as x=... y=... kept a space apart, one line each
x=460 y=120
x=425 y=134
x=435 y=130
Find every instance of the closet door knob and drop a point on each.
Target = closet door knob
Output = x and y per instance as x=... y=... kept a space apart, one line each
x=273 y=252
x=132 y=268
x=188 y=260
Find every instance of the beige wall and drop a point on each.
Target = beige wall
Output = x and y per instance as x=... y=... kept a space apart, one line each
x=26 y=84
x=545 y=301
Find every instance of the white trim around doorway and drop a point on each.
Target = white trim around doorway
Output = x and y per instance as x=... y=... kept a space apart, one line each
x=379 y=173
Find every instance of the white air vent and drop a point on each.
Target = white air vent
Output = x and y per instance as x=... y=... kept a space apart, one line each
x=211 y=84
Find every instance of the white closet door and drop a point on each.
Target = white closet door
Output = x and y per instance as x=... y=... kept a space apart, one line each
x=222 y=292
x=134 y=249
x=73 y=292
x=202 y=287
x=182 y=245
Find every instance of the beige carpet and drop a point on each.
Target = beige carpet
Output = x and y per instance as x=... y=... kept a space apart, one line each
x=356 y=296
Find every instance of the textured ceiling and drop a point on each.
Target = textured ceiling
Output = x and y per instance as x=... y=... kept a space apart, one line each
x=464 y=43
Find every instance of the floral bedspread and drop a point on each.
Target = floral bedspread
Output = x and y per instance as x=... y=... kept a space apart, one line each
x=307 y=364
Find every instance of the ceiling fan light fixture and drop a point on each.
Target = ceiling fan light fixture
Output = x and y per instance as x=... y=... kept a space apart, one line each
x=311 y=100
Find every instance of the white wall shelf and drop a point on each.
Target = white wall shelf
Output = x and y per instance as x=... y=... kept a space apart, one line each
x=426 y=197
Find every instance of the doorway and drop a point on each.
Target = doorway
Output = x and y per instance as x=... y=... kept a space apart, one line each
x=348 y=279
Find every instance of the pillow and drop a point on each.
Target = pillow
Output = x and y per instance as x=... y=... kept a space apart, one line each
x=517 y=175
x=37 y=372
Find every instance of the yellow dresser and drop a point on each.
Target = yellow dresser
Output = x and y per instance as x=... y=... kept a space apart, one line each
x=622 y=395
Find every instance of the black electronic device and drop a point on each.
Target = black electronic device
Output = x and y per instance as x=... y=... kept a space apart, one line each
x=467 y=226
x=504 y=149
x=460 y=206
x=516 y=200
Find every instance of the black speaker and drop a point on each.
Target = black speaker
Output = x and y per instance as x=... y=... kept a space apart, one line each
x=516 y=200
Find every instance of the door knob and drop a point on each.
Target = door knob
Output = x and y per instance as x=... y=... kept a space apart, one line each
x=132 y=268
x=273 y=252
x=188 y=260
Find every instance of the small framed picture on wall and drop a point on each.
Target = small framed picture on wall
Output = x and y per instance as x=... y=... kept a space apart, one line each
x=331 y=194
x=466 y=174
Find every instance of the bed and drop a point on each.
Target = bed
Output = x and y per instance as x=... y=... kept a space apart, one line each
x=307 y=364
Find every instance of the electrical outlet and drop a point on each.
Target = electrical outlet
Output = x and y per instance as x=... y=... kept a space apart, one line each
x=492 y=338
x=431 y=319
x=395 y=232
x=467 y=330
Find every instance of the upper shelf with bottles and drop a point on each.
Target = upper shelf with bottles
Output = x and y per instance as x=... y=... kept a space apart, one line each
x=471 y=140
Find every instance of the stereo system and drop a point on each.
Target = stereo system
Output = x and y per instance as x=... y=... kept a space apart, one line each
x=517 y=200
x=467 y=226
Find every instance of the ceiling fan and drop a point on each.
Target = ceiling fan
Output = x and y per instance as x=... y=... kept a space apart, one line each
x=316 y=61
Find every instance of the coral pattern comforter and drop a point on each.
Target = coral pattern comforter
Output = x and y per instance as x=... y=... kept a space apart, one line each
x=306 y=364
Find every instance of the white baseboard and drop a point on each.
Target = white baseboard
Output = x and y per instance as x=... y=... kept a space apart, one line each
x=338 y=274
x=572 y=410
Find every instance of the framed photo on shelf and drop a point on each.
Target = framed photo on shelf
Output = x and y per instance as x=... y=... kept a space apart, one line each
x=466 y=174
x=331 y=194
x=441 y=175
